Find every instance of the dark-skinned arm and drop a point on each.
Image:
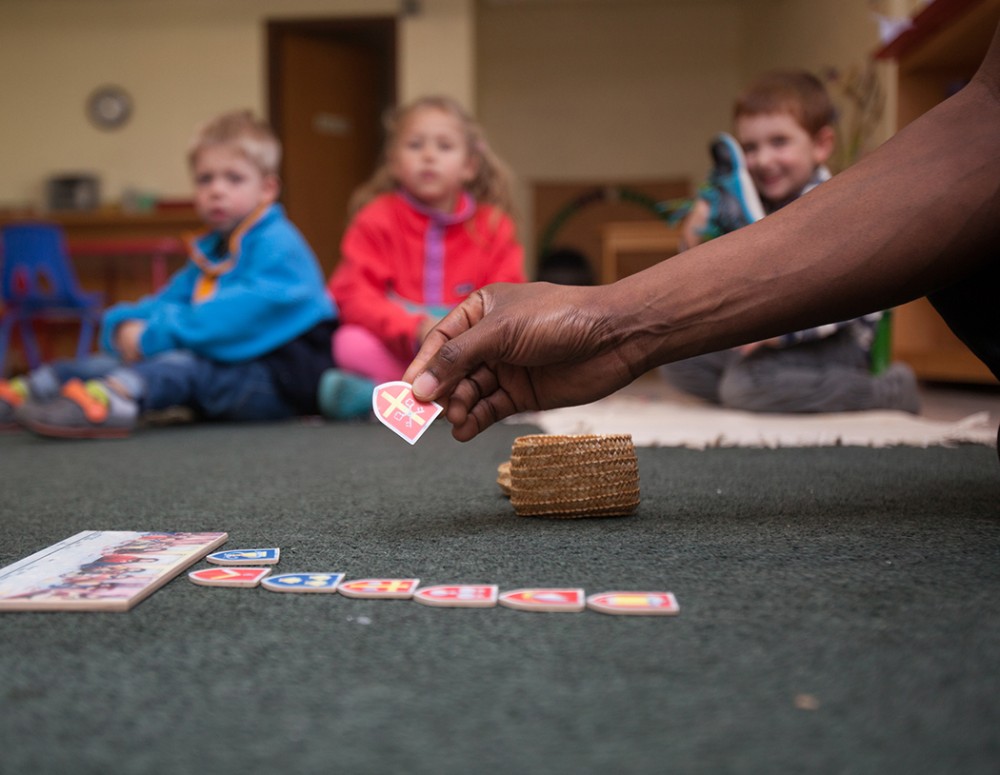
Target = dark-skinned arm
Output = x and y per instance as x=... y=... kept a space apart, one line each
x=917 y=214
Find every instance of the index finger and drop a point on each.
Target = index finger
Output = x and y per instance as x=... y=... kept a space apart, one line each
x=431 y=344
x=430 y=373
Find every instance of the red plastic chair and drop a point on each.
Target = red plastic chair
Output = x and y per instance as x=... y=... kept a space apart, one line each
x=38 y=283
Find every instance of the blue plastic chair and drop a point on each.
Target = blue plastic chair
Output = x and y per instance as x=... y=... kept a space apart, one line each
x=37 y=282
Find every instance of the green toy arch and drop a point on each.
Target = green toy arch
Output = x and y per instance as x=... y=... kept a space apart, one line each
x=670 y=210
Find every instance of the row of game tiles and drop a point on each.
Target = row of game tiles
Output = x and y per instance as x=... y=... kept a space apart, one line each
x=542 y=599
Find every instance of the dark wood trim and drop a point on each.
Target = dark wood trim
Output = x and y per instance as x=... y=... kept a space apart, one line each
x=376 y=32
x=926 y=24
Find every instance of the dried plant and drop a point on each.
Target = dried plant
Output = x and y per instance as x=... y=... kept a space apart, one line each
x=860 y=101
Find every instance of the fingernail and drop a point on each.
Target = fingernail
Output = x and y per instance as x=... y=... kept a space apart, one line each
x=424 y=385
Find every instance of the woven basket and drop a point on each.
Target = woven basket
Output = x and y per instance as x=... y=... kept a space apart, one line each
x=573 y=476
x=503 y=477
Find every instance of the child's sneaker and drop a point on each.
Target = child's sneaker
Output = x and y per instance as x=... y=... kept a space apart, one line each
x=345 y=396
x=896 y=388
x=82 y=410
x=730 y=191
x=13 y=393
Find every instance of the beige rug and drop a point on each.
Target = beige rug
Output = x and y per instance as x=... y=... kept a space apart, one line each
x=664 y=423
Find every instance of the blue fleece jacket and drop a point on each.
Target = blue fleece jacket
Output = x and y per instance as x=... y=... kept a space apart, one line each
x=236 y=302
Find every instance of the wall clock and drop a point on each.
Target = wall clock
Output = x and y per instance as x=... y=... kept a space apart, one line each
x=109 y=107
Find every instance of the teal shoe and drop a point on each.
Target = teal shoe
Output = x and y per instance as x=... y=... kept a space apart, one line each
x=730 y=191
x=345 y=396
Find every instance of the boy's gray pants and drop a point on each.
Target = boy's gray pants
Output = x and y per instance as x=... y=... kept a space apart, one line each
x=826 y=375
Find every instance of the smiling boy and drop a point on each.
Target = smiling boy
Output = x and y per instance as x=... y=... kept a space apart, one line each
x=784 y=136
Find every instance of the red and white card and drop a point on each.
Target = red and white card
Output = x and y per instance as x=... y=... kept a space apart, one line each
x=228 y=577
x=459 y=596
x=549 y=600
x=388 y=589
x=634 y=603
x=398 y=410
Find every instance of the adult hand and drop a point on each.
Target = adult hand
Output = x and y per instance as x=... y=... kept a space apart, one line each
x=916 y=216
x=126 y=340
x=515 y=348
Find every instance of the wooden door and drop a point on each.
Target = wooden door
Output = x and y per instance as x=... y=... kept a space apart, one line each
x=330 y=84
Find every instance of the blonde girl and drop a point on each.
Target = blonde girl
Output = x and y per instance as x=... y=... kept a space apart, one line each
x=432 y=225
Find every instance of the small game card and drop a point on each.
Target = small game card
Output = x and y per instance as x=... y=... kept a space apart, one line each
x=229 y=577
x=458 y=596
x=398 y=410
x=303 y=582
x=634 y=603
x=246 y=557
x=389 y=589
x=548 y=600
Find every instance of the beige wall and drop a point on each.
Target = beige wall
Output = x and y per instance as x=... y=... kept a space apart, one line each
x=567 y=89
x=182 y=61
x=438 y=51
x=631 y=89
x=605 y=90
x=833 y=37
x=813 y=34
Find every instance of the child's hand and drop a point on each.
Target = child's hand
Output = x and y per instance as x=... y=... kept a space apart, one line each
x=694 y=224
x=746 y=349
x=126 y=340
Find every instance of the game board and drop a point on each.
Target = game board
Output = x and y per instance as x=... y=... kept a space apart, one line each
x=100 y=570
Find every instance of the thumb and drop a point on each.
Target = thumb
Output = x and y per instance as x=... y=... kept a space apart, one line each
x=443 y=363
x=442 y=359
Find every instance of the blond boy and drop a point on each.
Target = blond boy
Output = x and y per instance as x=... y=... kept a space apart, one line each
x=241 y=332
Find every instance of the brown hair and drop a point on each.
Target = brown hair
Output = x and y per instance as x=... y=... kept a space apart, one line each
x=493 y=181
x=796 y=92
x=251 y=137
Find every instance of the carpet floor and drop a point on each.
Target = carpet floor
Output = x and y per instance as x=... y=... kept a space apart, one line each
x=839 y=612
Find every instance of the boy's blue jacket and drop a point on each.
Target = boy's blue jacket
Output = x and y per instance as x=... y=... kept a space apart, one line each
x=233 y=304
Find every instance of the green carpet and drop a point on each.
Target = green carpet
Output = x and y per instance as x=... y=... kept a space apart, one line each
x=839 y=612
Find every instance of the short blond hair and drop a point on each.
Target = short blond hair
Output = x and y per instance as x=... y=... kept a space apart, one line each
x=240 y=130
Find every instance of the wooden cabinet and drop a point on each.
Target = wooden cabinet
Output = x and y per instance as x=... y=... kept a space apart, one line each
x=935 y=58
x=113 y=223
x=584 y=215
x=632 y=246
x=122 y=255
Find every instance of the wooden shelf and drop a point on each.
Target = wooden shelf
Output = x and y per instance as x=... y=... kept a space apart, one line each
x=921 y=339
x=937 y=56
x=123 y=255
x=631 y=246
x=573 y=214
x=113 y=223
